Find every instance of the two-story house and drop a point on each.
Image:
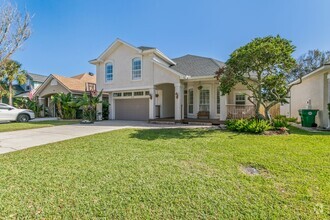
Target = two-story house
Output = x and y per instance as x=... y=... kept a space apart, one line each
x=143 y=83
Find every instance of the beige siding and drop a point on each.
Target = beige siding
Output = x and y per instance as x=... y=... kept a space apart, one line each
x=122 y=71
x=52 y=89
x=314 y=88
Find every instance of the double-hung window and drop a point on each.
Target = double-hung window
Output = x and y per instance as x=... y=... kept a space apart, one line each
x=136 y=69
x=108 y=72
x=191 y=101
x=204 y=100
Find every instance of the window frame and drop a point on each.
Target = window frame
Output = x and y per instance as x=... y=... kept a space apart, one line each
x=240 y=100
x=218 y=95
x=106 y=69
x=191 y=101
x=204 y=104
x=134 y=78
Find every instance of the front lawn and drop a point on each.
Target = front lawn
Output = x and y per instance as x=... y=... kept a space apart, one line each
x=15 y=126
x=169 y=174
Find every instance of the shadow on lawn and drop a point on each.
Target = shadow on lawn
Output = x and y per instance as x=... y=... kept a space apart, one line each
x=294 y=130
x=183 y=133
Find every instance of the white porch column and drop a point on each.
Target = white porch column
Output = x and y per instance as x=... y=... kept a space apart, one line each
x=111 y=107
x=223 y=107
x=179 y=99
x=152 y=93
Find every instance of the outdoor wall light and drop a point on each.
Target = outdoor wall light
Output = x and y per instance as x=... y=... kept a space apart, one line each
x=176 y=95
x=150 y=96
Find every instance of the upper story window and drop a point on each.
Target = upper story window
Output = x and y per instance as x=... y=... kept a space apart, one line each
x=108 y=72
x=136 y=69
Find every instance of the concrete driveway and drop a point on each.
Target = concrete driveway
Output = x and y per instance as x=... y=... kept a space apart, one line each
x=18 y=140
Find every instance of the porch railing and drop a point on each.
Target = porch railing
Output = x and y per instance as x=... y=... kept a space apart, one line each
x=240 y=111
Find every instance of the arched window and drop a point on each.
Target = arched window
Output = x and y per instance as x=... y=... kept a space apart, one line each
x=136 y=69
x=108 y=72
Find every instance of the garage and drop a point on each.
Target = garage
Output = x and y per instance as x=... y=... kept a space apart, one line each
x=132 y=109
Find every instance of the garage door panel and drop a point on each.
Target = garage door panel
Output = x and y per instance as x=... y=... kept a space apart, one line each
x=132 y=109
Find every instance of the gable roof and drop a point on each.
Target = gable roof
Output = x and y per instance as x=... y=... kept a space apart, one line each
x=76 y=83
x=140 y=49
x=37 y=77
x=72 y=84
x=191 y=65
x=144 y=48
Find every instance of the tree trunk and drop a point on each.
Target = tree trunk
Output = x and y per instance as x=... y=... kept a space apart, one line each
x=267 y=115
x=11 y=94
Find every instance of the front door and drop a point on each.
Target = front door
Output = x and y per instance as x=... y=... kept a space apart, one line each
x=204 y=100
x=185 y=104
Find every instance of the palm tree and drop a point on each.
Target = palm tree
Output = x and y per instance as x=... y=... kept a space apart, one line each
x=10 y=72
x=4 y=91
x=88 y=105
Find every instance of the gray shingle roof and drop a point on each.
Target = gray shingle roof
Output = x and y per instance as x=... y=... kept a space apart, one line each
x=191 y=65
x=146 y=48
x=37 y=77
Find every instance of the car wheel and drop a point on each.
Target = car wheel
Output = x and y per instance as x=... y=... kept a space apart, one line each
x=23 y=118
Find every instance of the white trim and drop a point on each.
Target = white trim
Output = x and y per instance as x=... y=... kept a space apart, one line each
x=117 y=41
x=105 y=71
x=326 y=66
x=240 y=93
x=128 y=89
x=159 y=53
x=141 y=68
x=188 y=101
x=167 y=68
x=205 y=87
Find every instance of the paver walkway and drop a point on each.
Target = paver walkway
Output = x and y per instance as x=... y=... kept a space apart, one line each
x=18 y=140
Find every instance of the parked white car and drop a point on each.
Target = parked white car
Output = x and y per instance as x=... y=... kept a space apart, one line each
x=10 y=113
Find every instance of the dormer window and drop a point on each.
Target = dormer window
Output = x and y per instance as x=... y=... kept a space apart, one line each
x=136 y=69
x=108 y=72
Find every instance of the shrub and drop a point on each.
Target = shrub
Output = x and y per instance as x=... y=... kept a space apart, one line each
x=248 y=125
x=280 y=123
x=287 y=119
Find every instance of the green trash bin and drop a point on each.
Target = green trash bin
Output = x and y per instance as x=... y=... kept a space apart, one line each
x=308 y=117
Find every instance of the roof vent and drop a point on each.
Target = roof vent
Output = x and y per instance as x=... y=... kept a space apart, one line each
x=91 y=74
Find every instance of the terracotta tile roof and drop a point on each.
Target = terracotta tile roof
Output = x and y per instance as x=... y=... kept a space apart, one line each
x=76 y=83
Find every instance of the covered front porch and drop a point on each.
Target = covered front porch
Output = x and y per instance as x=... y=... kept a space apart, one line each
x=191 y=101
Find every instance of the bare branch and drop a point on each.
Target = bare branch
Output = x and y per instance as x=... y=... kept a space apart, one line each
x=14 y=30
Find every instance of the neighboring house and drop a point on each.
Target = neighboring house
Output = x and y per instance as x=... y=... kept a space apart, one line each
x=143 y=83
x=54 y=84
x=314 y=87
x=33 y=81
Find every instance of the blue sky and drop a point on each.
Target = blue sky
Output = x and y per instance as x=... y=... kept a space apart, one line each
x=69 y=33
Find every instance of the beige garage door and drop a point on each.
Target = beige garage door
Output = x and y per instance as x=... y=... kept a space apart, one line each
x=132 y=109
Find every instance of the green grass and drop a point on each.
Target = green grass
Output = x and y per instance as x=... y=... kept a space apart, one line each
x=15 y=126
x=169 y=174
